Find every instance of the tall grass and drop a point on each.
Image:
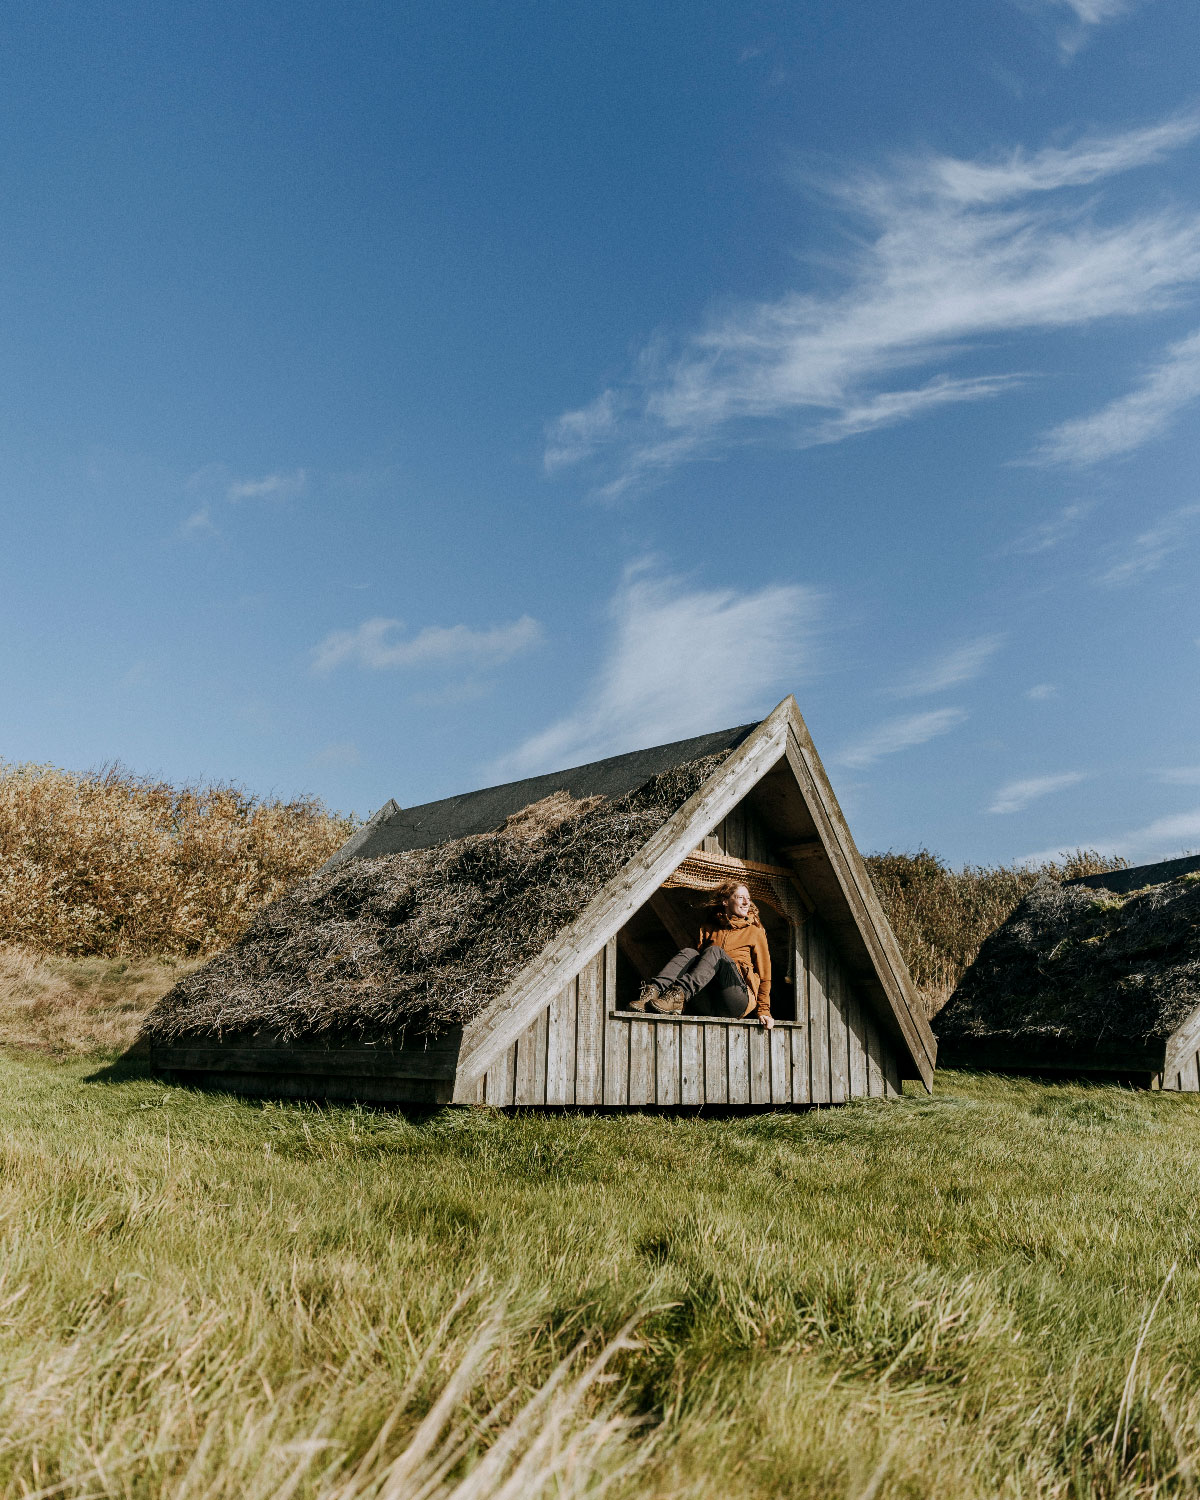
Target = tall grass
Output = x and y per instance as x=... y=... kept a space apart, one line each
x=990 y=1292
x=73 y=1007
x=120 y=865
x=941 y=915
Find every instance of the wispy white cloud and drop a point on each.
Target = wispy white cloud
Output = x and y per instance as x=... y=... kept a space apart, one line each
x=1052 y=533
x=1180 y=776
x=953 y=667
x=900 y=734
x=270 y=487
x=950 y=252
x=680 y=661
x=1133 y=419
x=1083 y=14
x=213 y=487
x=1177 y=833
x=1040 y=691
x=1147 y=552
x=1093 y=12
x=374 y=645
x=890 y=407
x=1089 y=160
x=576 y=433
x=199 y=523
x=1015 y=796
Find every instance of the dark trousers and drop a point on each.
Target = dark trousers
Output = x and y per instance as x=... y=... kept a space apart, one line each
x=711 y=980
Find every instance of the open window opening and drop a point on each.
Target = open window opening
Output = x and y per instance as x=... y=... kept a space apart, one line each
x=671 y=920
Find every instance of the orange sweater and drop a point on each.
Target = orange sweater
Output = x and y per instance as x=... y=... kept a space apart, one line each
x=746 y=944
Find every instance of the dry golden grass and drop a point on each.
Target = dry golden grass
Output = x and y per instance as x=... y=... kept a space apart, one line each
x=123 y=866
x=941 y=915
x=78 y=1007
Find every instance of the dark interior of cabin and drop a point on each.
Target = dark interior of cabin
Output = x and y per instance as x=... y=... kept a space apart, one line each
x=671 y=920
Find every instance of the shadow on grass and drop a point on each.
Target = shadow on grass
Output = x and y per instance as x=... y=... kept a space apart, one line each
x=130 y=1067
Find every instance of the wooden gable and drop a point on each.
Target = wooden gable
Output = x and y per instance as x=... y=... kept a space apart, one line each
x=771 y=796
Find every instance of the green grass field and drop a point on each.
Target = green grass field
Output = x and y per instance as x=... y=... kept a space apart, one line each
x=992 y=1291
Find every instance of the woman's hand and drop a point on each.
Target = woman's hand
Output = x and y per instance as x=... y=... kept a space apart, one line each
x=768 y=1021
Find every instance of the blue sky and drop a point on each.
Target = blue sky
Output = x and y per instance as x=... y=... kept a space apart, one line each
x=401 y=399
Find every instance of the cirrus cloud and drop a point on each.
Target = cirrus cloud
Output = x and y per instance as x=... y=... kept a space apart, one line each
x=680 y=661
x=375 y=645
x=951 y=252
x=958 y=665
x=1015 y=796
x=277 y=486
x=899 y=734
x=1131 y=420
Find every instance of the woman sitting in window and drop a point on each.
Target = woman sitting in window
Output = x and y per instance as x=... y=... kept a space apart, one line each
x=728 y=973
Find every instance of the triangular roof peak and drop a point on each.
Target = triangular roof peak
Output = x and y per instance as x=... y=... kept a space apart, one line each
x=777 y=761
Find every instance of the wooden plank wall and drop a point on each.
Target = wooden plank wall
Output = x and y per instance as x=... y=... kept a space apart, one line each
x=1183 y=1076
x=1181 y=1064
x=578 y=1052
x=846 y=1056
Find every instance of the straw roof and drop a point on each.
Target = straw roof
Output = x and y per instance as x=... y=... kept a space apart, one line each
x=416 y=941
x=1084 y=963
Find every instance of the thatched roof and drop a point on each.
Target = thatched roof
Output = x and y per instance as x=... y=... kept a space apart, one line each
x=414 y=941
x=1084 y=963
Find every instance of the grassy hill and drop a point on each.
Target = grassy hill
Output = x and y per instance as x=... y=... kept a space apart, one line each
x=988 y=1292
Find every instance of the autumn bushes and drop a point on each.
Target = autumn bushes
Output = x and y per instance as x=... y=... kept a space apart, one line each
x=118 y=865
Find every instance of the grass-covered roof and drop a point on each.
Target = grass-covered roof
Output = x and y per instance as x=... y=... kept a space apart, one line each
x=1077 y=963
x=416 y=941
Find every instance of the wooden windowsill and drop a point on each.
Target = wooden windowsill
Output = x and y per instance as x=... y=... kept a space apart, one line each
x=641 y=1015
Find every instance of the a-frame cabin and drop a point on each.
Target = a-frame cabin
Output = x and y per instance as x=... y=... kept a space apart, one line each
x=559 y=1032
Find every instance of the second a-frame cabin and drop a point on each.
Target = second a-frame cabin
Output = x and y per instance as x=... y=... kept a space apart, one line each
x=485 y=949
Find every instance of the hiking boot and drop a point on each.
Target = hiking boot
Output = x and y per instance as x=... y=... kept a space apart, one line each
x=670 y=1002
x=649 y=991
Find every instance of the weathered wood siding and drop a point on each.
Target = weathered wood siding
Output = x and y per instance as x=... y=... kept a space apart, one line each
x=263 y=1065
x=581 y=1051
x=1181 y=1061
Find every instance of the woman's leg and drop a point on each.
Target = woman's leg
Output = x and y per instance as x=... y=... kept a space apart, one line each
x=725 y=994
x=689 y=971
x=679 y=965
x=669 y=978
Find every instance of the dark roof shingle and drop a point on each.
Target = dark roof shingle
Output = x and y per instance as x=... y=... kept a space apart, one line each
x=484 y=810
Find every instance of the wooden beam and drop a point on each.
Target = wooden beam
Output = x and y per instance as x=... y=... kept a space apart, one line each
x=499 y=1025
x=860 y=896
x=803 y=848
x=267 y=1054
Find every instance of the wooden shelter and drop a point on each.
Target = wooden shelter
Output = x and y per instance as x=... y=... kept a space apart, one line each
x=558 y=1030
x=1098 y=977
